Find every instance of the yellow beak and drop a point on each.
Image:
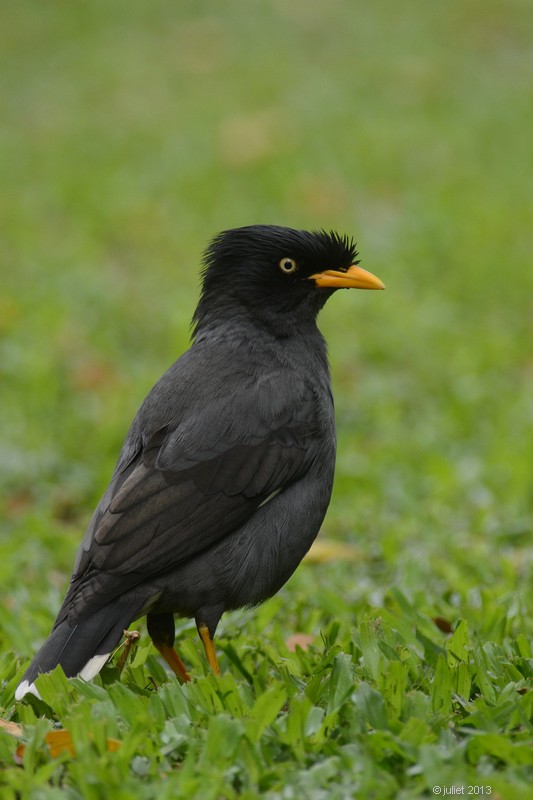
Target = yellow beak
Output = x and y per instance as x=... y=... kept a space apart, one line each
x=353 y=278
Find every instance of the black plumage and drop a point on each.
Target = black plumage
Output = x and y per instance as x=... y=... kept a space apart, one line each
x=226 y=473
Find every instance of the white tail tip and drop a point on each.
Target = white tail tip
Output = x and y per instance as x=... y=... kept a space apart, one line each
x=24 y=688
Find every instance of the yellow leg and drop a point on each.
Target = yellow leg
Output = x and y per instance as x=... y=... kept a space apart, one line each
x=209 y=648
x=161 y=630
x=173 y=660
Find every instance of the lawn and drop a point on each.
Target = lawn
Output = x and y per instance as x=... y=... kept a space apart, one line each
x=133 y=132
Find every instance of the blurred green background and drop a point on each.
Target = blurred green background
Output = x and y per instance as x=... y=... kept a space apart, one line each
x=132 y=132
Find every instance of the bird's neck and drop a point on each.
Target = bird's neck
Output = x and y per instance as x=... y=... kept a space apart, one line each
x=280 y=323
x=241 y=330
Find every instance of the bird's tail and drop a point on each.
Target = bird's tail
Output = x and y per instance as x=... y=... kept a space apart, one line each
x=81 y=649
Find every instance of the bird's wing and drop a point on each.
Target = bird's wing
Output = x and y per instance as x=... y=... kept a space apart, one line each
x=188 y=486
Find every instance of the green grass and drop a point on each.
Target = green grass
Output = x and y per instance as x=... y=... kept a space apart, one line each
x=132 y=133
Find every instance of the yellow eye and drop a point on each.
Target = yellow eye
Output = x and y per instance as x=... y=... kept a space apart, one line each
x=288 y=265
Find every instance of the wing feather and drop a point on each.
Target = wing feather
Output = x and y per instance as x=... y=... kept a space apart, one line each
x=181 y=488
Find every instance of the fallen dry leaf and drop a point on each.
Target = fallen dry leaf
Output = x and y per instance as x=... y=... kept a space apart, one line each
x=325 y=550
x=443 y=624
x=302 y=640
x=13 y=728
x=130 y=639
x=57 y=742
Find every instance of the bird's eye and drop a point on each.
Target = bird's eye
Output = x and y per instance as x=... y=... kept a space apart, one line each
x=288 y=265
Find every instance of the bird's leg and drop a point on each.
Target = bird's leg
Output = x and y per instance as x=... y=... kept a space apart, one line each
x=162 y=632
x=209 y=647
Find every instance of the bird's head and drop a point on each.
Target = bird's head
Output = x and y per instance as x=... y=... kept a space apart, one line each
x=278 y=275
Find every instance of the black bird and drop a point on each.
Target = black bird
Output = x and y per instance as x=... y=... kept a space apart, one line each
x=226 y=473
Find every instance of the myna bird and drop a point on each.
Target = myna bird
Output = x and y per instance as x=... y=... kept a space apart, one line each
x=226 y=473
